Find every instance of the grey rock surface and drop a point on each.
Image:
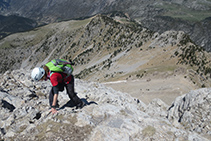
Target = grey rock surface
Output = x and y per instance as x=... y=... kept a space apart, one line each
x=108 y=115
x=193 y=111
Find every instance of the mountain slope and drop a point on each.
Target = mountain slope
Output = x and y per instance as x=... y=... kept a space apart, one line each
x=14 y=24
x=119 y=53
x=104 y=49
x=186 y=15
x=109 y=115
x=48 y=10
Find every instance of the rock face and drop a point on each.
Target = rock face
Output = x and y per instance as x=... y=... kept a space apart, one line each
x=108 y=115
x=191 y=108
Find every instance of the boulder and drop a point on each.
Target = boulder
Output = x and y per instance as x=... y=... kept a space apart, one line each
x=193 y=111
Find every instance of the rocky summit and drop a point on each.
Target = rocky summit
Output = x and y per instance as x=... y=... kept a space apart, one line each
x=108 y=114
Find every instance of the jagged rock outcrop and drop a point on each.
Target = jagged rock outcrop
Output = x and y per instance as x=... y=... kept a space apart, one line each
x=191 y=108
x=108 y=115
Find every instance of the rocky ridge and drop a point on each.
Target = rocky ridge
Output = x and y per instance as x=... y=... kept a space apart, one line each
x=100 y=47
x=190 y=16
x=108 y=115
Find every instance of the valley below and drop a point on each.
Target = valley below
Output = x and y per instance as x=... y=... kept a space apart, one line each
x=147 y=89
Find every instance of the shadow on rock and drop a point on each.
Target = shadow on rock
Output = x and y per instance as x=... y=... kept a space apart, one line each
x=7 y=105
x=71 y=104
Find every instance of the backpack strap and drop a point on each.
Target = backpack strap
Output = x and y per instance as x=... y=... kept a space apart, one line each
x=56 y=63
x=51 y=72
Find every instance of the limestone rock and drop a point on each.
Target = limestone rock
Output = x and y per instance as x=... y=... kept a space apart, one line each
x=108 y=115
x=193 y=111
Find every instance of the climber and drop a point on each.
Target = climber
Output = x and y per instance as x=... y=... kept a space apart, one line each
x=59 y=80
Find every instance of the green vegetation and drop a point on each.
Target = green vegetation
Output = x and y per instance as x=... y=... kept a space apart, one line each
x=86 y=72
x=195 y=57
x=107 y=64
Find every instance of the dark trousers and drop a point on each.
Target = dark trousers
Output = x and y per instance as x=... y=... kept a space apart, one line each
x=70 y=91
